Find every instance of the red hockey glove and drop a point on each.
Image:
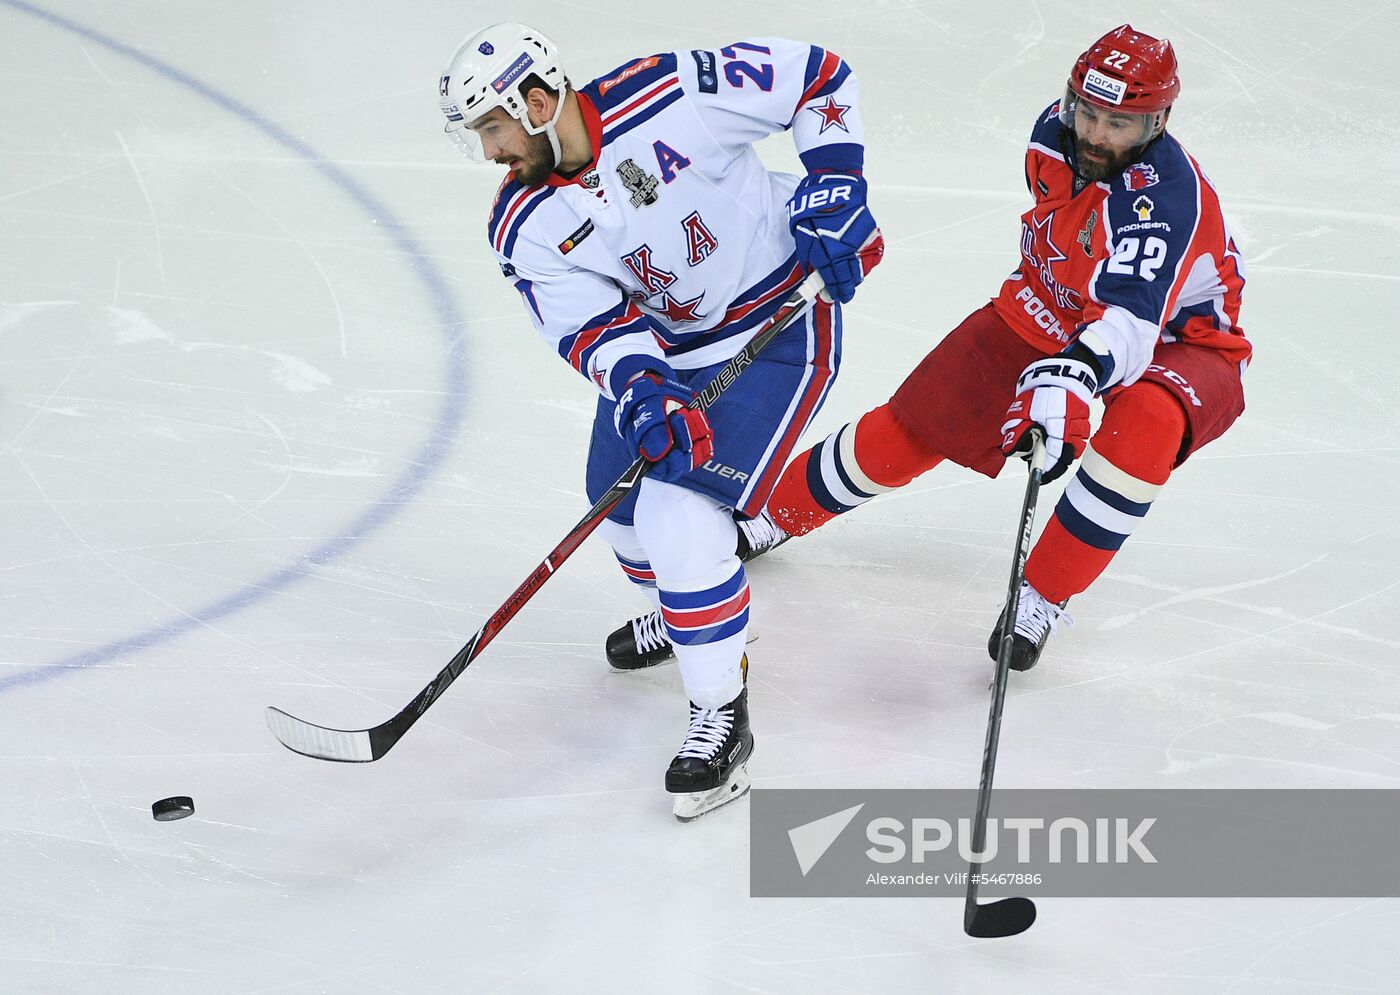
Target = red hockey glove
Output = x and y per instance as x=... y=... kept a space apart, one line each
x=1053 y=393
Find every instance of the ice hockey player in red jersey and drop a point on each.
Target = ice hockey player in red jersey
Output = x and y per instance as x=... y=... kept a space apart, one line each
x=649 y=244
x=1127 y=290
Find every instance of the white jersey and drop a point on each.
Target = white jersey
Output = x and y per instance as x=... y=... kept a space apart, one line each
x=673 y=243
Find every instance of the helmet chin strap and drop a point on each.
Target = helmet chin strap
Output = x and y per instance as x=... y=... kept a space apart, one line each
x=553 y=137
x=550 y=131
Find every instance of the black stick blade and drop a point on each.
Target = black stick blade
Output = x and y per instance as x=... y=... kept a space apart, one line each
x=1004 y=918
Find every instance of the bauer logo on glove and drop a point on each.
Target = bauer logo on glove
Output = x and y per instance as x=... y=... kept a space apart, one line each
x=827 y=198
x=834 y=232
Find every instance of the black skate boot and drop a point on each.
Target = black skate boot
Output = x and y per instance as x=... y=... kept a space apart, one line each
x=759 y=535
x=711 y=768
x=640 y=643
x=1036 y=618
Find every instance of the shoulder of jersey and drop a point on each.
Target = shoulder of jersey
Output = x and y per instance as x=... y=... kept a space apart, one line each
x=632 y=82
x=513 y=206
x=1164 y=165
x=1047 y=128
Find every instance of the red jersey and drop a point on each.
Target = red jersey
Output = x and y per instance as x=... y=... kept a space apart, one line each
x=1151 y=241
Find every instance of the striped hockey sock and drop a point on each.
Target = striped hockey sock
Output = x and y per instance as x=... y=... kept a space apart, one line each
x=1119 y=477
x=695 y=618
x=638 y=571
x=708 y=628
x=846 y=469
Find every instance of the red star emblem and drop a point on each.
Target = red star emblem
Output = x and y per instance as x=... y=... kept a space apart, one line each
x=678 y=311
x=1044 y=234
x=832 y=114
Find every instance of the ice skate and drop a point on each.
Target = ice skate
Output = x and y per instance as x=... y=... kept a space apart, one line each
x=643 y=643
x=759 y=535
x=711 y=768
x=640 y=643
x=1036 y=619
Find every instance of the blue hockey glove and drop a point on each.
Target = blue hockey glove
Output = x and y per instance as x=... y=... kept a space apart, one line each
x=651 y=415
x=831 y=224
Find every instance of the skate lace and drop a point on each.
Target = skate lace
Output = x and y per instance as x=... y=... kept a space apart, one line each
x=649 y=631
x=762 y=532
x=1036 y=617
x=709 y=728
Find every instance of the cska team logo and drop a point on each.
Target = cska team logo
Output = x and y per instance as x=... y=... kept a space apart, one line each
x=1139 y=176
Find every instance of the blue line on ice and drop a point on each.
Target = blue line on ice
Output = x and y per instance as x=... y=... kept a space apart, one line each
x=401 y=491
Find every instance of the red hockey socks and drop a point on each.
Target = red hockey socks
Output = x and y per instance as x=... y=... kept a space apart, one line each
x=847 y=469
x=1124 y=466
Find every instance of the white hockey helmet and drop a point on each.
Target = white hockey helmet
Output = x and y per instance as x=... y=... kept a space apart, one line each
x=486 y=71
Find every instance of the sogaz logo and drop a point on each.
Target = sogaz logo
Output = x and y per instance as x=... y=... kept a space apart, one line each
x=1096 y=84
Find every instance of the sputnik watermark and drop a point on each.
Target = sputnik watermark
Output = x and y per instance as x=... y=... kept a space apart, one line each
x=1110 y=840
x=1239 y=843
x=811 y=840
x=892 y=841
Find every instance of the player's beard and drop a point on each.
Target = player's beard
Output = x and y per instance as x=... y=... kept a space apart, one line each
x=1101 y=169
x=534 y=167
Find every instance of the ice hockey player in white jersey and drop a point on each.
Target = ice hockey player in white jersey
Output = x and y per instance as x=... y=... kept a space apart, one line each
x=649 y=244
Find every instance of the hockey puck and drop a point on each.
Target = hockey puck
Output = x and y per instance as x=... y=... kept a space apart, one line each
x=170 y=809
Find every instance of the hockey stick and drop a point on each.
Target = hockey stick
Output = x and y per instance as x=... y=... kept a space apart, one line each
x=365 y=745
x=1008 y=916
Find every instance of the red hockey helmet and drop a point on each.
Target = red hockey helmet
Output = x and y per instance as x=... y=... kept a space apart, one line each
x=1127 y=72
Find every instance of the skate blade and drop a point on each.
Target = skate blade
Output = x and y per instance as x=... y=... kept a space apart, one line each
x=691 y=806
x=614 y=668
